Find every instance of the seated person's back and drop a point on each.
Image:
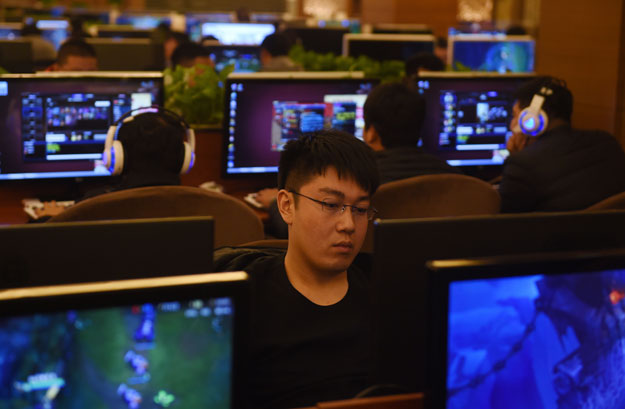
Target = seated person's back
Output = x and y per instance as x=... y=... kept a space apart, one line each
x=274 y=54
x=310 y=335
x=562 y=168
x=394 y=115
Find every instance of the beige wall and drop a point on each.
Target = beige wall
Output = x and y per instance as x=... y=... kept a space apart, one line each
x=582 y=45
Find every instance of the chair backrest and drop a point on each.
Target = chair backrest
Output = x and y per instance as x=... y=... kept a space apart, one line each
x=235 y=222
x=433 y=196
x=613 y=202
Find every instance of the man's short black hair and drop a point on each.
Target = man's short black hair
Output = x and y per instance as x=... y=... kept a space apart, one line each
x=557 y=105
x=185 y=53
x=276 y=44
x=312 y=154
x=76 y=47
x=30 y=29
x=424 y=60
x=153 y=143
x=396 y=111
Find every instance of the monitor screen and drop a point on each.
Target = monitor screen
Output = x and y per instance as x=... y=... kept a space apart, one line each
x=142 y=21
x=238 y=33
x=491 y=53
x=115 y=31
x=54 y=31
x=128 y=54
x=468 y=116
x=244 y=58
x=149 y=348
x=16 y=55
x=543 y=335
x=10 y=31
x=382 y=47
x=194 y=21
x=55 y=124
x=263 y=114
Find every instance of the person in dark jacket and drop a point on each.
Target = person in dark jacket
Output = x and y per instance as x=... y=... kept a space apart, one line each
x=394 y=115
x=561 y=168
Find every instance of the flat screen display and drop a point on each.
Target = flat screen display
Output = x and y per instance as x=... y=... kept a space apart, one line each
x=55 y=126
x=244 y=58
x=494 y=53
x=150 y=355
x=382 y=47
x=238 y=33
x=263 y=114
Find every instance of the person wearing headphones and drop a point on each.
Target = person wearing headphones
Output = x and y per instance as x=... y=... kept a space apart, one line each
x=552 y=166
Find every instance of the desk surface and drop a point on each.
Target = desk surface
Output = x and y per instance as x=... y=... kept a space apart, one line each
x=207 y=168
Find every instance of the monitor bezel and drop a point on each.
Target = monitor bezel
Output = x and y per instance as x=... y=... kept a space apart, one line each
x=270 y=78
x=441 y=273
x=87 y=75
x=124 y=293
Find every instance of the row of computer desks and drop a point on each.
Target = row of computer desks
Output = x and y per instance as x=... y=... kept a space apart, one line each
x=474 y=311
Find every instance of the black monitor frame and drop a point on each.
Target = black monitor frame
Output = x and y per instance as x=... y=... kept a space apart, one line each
x=62 y=253
x=441 y=273
x=402 y=247
x=407 y=39
x=45 y=300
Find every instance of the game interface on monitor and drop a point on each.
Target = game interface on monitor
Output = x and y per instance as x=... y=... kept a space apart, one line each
x=505 y=55
x=238 y=33
x=56 y=127
x=264 y=115
x=468 y=119
x=174 y=354
x=540 y=341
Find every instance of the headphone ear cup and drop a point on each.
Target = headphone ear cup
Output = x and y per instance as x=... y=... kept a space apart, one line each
x=533 y=123
x=116 y=155
x=189 y=158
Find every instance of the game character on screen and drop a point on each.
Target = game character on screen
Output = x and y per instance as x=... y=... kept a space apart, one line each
x=557 y=168
x=310 y=334
x=394 y=115
x=75 y=54
x=274 y=54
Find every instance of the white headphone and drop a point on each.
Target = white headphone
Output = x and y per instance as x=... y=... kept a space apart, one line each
x=113 y=155
x=533 y=121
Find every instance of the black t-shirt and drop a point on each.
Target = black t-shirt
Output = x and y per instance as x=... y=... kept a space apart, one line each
x=302 y=353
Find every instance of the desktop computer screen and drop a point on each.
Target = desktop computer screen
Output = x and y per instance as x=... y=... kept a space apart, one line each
x=238 y=33
x=543 y=332
x=383 y=47
x=468 y=116
x=244 y=58
x=194 y=21
x=262 y=114
x=55 y=124
x=98 y=346
x=318 y=39
x=10 y=31
x=498 y=53
x=55 y=31
x=143 y=21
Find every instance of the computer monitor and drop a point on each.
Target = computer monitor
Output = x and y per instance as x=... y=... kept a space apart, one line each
x=16 y=55
x=468 y=116
x=498 y=53
x=128 y=54
x=10 y=31
x=55 y=31
x=399 y=280
x=55 y=124
x=41 y=254
x=166 y=342
x=264 y=111
x=143 y=21
x=541 y=331
x=116 y=31
x=194 y=21
x=244 y=58
x=383 y=47
x=318 y=39
x=238 y=33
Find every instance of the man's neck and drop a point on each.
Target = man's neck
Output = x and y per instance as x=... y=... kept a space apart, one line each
x=321 y=288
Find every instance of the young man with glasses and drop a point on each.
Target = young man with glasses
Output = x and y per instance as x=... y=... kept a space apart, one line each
x=310 y=335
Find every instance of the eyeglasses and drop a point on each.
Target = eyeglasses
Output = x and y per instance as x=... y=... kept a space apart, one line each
x=339 y=208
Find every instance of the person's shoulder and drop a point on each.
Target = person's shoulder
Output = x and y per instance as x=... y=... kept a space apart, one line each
x=253 y=260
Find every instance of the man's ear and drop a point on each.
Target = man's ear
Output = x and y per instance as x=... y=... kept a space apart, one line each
x=286 y=206
x=372 y=138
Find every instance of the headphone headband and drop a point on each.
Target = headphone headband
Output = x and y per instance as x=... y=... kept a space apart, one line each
x=113 y=155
